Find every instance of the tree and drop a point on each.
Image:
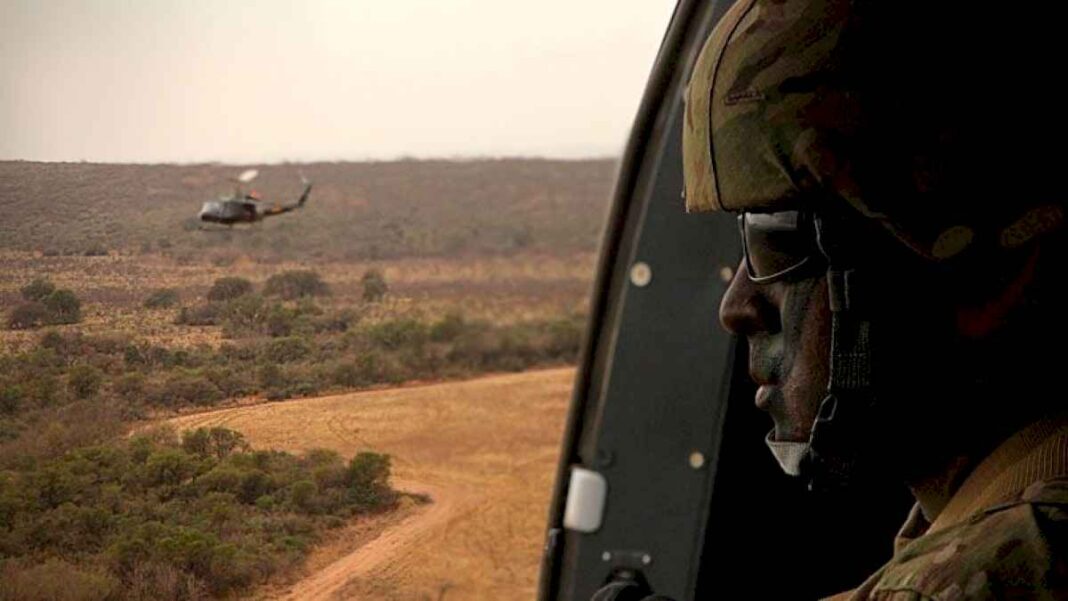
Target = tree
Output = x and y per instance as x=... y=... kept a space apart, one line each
x=168 y=467
x=37 y=290
x=367 y=477
x=63 y=307
x=374 y=285
x=285 y=350
x=27 y=316
x=229 y=288
x=196 y=442
x=291 y=285
x=302 y=495
x=368 y=469
x=84 y=381
x=225 y=441
x=11 y=399
x=162 y=299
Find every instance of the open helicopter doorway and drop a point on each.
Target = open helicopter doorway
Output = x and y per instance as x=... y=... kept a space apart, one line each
x=686 y=501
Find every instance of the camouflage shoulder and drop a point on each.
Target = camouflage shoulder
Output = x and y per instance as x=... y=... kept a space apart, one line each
x=1017 y=550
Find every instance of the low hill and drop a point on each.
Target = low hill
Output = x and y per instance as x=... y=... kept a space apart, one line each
x=359 y=211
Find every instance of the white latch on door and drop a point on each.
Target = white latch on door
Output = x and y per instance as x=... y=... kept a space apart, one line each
x=586 y=496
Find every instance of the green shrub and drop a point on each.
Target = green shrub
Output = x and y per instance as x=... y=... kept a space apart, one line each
x=223 y=478
x=96 y=249
x=27 y=316
x=42 y=390
x=286 y=350
x=337 y=323
x=266 y=503
x=154 y=519
x=244 y=315
x=281 y=321
x=368 y=470
x=330 y=476
x=348 y=374
x=197 y=442
x=130 y=387
x=187 y=389
x=367 y=480
x=168 y=467
x=63 y=307
x=163 y=298
x=448 y=328
x=374 y=285
x=254 y=484
x=229 y=288
x=133 y=357
x=222 y=442
x=84 y=381
x=53 y=340
x=291 y=285
x=37 y=290
x=56 y=580
x=210 y=314
x=156 y=581
x=393 y=334
x=276 y=394
x=302 y=495
x=11 y=399
x=232 y=382
x=271 y=377
x=565 y=337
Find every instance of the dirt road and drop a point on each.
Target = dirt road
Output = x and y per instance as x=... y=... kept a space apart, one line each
x=485 y=451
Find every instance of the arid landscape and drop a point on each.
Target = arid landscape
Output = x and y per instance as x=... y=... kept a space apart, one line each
x=484 y=450
x=361 y=400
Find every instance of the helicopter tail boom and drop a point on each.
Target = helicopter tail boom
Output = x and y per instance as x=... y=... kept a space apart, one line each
x=304 y=195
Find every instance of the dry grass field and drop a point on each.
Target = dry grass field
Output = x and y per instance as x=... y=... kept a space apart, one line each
x=485 y=451
x=112 y=288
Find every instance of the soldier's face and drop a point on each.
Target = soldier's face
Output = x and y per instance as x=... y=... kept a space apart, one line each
x=788 y=327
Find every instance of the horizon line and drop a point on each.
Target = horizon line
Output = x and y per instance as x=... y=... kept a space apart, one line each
x=397 y=159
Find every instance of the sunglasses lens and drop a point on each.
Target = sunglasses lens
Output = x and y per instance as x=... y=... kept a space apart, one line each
x=775 y=242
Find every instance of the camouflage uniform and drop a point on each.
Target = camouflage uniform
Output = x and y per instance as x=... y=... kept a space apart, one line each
x=1003 y=535
x=801 y=104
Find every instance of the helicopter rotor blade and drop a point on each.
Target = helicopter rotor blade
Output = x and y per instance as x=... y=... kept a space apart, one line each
x=248 y=175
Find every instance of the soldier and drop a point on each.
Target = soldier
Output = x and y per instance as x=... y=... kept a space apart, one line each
x=902 y=222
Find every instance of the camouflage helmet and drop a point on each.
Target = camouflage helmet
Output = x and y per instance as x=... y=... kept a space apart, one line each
x=892 y=108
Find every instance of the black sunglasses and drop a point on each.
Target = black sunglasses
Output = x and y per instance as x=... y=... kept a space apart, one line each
x=778 y=245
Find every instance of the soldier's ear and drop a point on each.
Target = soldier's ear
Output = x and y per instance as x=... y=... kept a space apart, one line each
x=982 y=319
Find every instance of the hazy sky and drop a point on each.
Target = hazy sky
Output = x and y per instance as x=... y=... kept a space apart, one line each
x=273 y=80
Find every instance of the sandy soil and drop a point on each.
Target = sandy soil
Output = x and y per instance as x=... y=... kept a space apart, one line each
x=484 y=450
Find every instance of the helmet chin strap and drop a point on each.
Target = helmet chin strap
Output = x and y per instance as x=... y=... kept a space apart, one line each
x=837 y=439
x=828 y=460
x=835 y=446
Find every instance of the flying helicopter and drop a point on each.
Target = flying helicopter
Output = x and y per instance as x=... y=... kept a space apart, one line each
x=242 y=207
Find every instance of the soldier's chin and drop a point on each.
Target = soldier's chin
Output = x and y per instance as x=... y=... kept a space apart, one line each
x=787 y=432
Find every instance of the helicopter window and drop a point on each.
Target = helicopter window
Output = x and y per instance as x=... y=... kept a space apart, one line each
x=279 y=280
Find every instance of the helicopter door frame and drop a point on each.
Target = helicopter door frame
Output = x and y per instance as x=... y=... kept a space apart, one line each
x=664 y=479
x=654 y=354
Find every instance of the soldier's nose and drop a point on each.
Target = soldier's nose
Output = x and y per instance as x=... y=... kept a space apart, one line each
x=745 y=309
